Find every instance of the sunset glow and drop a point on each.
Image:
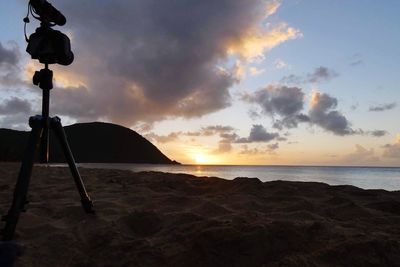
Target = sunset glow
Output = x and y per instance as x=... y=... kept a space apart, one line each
x=200 y=159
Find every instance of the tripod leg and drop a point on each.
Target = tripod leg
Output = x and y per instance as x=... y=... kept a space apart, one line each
x=21 y=187
x=60 y=134
x=44 y=145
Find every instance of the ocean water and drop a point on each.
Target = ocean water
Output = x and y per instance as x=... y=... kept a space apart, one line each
x=363 y=177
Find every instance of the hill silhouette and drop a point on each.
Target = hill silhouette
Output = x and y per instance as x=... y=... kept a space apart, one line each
x=90 y=142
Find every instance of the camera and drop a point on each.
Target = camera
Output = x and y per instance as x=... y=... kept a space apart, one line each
x=47 y=45
x=50 y=47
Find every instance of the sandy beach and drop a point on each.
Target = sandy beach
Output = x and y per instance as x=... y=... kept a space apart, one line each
x=159 y=219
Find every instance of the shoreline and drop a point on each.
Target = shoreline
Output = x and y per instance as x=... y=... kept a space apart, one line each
x=161 y=219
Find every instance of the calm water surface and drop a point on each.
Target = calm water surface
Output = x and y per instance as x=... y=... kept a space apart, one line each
x=364 y=177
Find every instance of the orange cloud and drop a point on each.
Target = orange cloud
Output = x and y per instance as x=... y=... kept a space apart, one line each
x=255 y=42
x=272 y=7
x=62 y=77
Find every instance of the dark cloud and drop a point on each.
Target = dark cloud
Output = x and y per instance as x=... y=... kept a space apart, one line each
x=378 y=133
x=258 y=134
x=285 y=105
x=282 y=101
x=275 y=99
x=383 y=107
x=147 y=60
x=273 y=147
x=8 y=57
x=318 y=75
x=323 y=115
x=76 y=103
x=14 y=106
x=14 y=113
x=290 y=122
x=10 y=70
x=292 y=79
x=321 y=74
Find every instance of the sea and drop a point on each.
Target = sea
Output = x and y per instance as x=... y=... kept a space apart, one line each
x=387 y=178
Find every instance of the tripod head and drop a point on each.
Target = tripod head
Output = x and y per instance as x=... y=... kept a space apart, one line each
x=47 y=45
x=43 y=78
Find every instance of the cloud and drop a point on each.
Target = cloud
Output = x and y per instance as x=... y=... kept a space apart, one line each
x=14 y=106
x=323 y=115
x=270 y=149
x=255 y=43
x=356 y=62
x=290 y=121
x=226 y=134
x=361 y=156
x=255 y=71
x=224 y=147
x=14 y=113
x=378 y=133
x=10 y=71
x=212 y=130
x=279 y=100
x=17 y=121
x=287 y=103
x=8 y=56
x=163 y=138
x=258 y=134
x=321 y=74
x=318 y=75
x=148 y=60
x=392 y=150
x=272 y=7
x=273 y=147
x=250 y=151
x=276 y=99
x=280 y=64
x=383 y=107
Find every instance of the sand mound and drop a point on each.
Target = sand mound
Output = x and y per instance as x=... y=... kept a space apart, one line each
x=158 y=219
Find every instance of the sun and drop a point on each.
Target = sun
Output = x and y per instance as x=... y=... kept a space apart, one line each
x=200 y=159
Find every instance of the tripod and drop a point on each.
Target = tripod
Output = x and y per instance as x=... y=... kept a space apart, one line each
x=40 y=135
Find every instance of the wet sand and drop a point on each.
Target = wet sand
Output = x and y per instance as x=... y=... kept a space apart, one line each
x=160 y=219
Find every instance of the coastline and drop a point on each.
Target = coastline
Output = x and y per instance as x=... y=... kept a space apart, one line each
x=163 y=219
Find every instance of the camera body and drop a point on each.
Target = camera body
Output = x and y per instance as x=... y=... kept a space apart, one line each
x=46 y=44
x=50 y=46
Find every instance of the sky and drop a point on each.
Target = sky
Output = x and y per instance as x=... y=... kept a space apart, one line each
x=258 y=82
